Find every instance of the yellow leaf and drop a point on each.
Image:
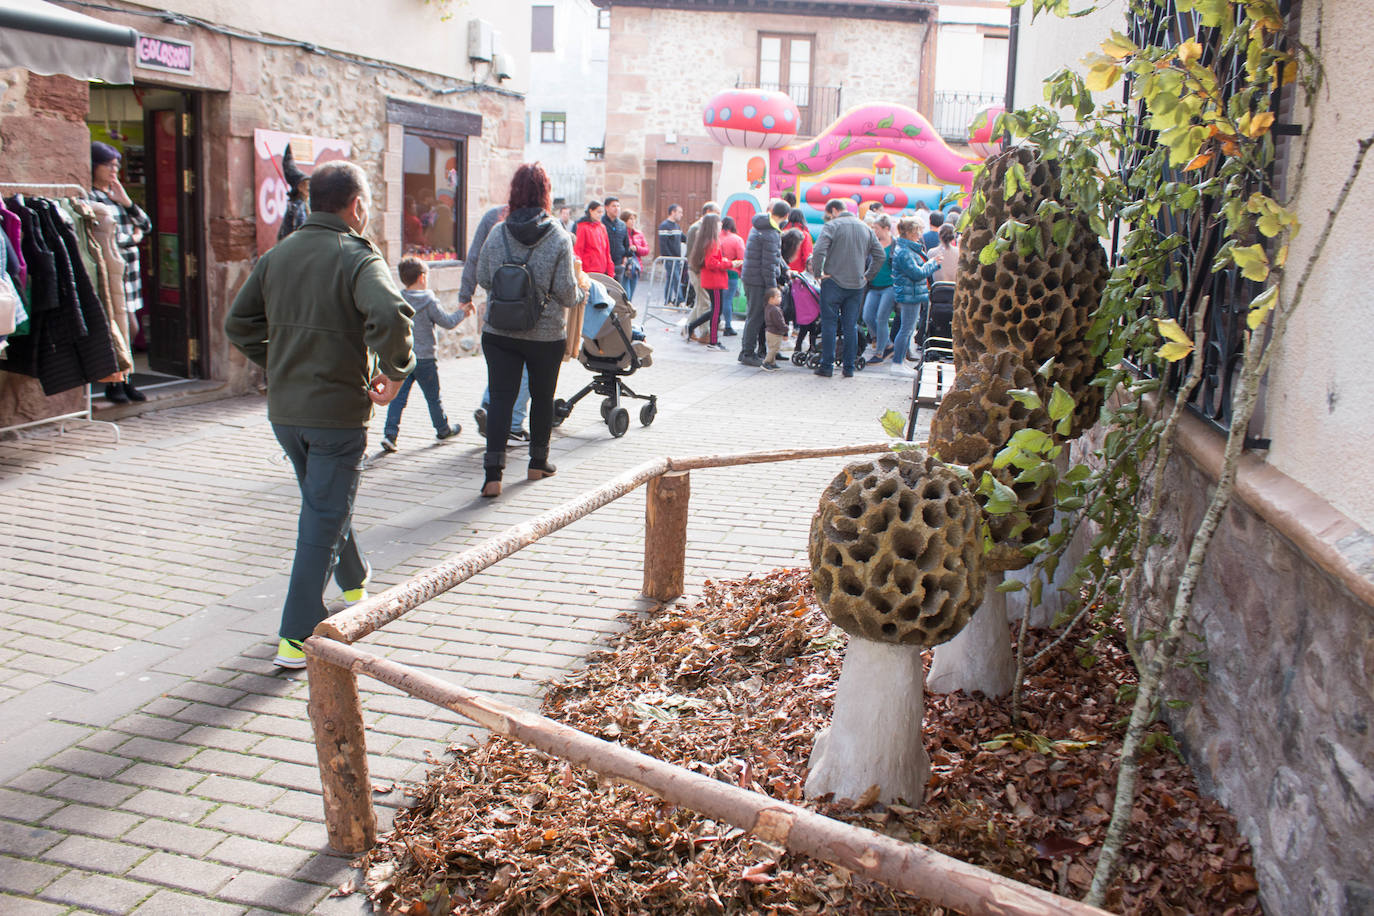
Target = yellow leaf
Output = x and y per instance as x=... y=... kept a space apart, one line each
x=1189 y=51
x=1171 y=329
x=1102 y=75
x=1259 y=125
x=1261 y=306
x=1174 y=352
x=1252 y=261
x=1118 y=46
x=1281 y=258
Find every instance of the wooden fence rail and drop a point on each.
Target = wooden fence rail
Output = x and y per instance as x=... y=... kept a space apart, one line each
x=340 y=736
x=908 y=867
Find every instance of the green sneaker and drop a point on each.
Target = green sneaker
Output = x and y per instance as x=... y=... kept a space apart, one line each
x=353 y=595
x=289 y=654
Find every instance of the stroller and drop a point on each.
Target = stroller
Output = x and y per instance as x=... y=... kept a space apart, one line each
x=805 y=294
x=612 y=350
x=933 y=343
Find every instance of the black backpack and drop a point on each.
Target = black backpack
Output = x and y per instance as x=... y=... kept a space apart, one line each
x=514 y=302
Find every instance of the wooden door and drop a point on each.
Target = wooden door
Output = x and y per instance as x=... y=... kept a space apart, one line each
x=172 y=286
x=687 y=184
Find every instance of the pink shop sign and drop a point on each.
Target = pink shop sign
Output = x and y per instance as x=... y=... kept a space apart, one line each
x=164 y=54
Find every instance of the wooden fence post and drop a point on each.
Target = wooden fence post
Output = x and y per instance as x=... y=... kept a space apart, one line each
x=665 y=534
x=336 y=714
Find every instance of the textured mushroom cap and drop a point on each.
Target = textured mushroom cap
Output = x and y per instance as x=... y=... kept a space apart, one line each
x=760 y=119
x=1037 y=305
x=896 y=551
x=976 y=419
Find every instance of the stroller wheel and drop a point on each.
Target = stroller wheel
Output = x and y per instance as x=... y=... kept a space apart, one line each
x=618 y=421
x=813 y=361
x=860 y=362
x=647 y=413
x=561 y=410
x=607 y=405
x=799 y=358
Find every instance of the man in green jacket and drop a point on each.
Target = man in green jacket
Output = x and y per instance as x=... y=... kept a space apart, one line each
x=321 y=314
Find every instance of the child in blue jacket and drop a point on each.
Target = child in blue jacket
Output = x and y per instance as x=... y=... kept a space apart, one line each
x=911 y=273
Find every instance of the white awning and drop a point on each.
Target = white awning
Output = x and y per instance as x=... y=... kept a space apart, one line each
x=50 y=40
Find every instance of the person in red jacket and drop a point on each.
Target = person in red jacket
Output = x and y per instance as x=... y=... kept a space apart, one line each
x=639 y=249
x=705 y=256
x=797 y=220
x=592 y=244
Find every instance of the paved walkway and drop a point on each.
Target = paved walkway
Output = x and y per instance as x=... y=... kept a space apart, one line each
x=152 y=759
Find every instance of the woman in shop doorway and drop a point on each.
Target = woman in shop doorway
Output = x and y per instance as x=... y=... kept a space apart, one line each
x=130 y=225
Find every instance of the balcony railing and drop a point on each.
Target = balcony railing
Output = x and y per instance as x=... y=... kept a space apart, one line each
x=817 y=106
x=955 y=110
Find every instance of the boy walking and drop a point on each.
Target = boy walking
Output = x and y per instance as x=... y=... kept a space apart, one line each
x=774 y=327
x=428 y=312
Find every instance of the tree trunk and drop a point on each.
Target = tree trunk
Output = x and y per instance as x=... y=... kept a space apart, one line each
x=874 y=736
x=980 y=657
x=336 y=715
x=665 y=534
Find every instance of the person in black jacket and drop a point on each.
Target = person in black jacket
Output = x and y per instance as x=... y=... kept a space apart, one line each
x=619 y=237
x=763 y=264
x=670 y=236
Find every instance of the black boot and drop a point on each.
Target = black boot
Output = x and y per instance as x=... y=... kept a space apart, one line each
x=115 y=393
x=133 y=393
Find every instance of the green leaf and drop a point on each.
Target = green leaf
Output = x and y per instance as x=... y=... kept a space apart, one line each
x=885 y=122
x=989 y=254
x=844 y=144
x=1061 y=403
x=1010 y=585
x=1037 y=475
x=803 y=167
x=1001 y=499
x=816 y=149
x=911 y=130
x=894 y=424
x=1026 y=396
x=1078 y=473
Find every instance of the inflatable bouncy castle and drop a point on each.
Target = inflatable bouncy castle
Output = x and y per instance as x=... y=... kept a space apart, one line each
x=752 y=124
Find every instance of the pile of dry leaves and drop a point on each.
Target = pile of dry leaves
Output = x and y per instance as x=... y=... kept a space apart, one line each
x=736 y=688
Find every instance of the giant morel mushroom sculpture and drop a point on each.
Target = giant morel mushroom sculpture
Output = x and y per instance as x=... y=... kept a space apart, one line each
x=897 y=562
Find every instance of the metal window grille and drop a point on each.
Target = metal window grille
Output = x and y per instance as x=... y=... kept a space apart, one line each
x=954 y=111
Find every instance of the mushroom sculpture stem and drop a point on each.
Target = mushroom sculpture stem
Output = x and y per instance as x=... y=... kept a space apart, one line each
x=875 y=734
x=980 y=657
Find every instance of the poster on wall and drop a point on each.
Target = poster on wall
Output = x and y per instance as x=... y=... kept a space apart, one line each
x=269 y=186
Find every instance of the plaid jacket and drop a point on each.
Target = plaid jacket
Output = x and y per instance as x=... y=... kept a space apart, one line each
x=126 y=221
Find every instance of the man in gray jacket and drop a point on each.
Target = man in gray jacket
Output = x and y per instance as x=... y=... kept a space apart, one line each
x=847 y=255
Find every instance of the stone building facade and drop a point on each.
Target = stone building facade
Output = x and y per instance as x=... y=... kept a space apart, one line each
x=1279 y=724
x=244 y=80
x=668 y=58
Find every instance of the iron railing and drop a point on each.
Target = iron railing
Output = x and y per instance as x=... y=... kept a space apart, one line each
x=954 y=111
x=1226 y=292
x=817 y=106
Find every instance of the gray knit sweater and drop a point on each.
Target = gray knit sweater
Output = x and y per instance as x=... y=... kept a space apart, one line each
x=428 y=313
x=534 y=232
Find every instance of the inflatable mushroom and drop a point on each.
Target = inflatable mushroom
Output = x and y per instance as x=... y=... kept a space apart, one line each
x=751 y=118
x=897 y=562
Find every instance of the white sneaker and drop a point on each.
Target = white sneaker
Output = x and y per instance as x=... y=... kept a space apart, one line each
x=903 y=370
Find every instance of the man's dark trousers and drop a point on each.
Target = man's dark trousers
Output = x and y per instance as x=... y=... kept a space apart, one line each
x=328 y=463
x=752 y=339
x=839 y=306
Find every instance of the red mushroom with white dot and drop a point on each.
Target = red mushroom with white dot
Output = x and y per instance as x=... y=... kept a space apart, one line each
x=751 y=118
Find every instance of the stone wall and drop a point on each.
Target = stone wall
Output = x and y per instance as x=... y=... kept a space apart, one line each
x=666 y=64
x=43 y=138
x=1278 y=725
x=288 y=89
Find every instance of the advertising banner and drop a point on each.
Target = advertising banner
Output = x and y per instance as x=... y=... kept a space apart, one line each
x=269 y=186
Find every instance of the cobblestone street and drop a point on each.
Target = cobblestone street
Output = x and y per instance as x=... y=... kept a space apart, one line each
x=153 y=760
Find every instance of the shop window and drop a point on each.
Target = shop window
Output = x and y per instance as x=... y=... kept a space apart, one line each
x=552 y=127
x=541 y=28
x=785 y=65
x=434 y=176
x=603 y=19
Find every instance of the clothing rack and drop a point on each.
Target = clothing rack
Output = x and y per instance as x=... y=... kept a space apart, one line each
x=83 y=416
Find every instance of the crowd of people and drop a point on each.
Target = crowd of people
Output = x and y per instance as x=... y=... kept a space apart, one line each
x=868 y=274
x=322 y=315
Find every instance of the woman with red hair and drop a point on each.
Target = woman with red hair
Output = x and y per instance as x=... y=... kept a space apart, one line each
x=530 y=237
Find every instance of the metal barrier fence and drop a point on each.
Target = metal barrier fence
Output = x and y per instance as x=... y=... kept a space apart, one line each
x=341 y=742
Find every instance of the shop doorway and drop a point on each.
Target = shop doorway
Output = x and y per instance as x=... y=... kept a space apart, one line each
x=155 y=131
